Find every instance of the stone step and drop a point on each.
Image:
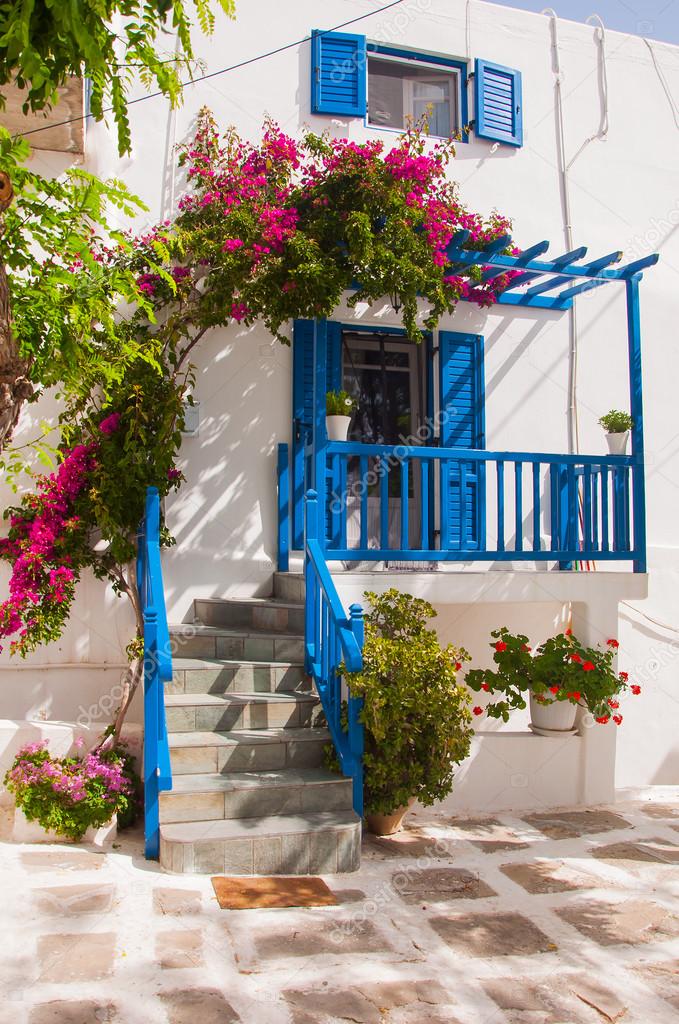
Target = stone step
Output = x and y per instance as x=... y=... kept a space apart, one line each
x=252 y=794
x=314 y=843
x=204 y=675
x=266 y=614
x=288 y=586
x=194 y=640
x=203 y=712
x=246 y=750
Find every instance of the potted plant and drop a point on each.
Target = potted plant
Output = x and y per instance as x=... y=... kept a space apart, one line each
x=71 y=797
x=338 y=409
x=415 y=713
x=560 y=676
x=617 y=426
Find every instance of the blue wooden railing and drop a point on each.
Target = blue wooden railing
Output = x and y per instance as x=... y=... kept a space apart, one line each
x=419 y=503
x=332 y=639
x=157 y=773
x=494 y=506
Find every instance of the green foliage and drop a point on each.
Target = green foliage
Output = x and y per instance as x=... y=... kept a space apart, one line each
x=416 y=715
x=68 y=795
x=43 y=44
x=561 y=669
x=616 y=422
x=339 y=403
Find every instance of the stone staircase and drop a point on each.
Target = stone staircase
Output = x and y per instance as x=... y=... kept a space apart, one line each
x=250 y=795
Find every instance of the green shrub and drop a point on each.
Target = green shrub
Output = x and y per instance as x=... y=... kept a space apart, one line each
x=416 y=715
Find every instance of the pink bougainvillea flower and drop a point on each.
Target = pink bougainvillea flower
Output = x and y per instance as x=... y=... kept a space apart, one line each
x=110 y=424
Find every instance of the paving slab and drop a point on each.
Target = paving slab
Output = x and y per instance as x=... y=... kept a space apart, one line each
x=436 y=885
x=74 y=900
x=573 y=824
x=492 y=935
x=82 y=1011
x=182 y=947
x=545 y=876
x=198 y=1006
x=663 y=979
x=640 y=851
x=87 y=957
x=176 y=902
x=632 y=922
x=488 y=834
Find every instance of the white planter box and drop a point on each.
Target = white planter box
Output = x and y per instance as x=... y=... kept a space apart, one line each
x=617 y=443
x=337 y=427
x=25 y=831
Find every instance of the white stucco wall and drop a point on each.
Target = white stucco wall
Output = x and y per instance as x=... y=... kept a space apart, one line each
x=624 y=195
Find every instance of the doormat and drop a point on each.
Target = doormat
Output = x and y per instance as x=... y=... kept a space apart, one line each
x=237 y=893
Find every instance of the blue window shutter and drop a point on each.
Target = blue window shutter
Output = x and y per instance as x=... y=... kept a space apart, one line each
x=462 y=426
x=302 y=405
x=302 y=411
x=338 y=73
x=498 y=107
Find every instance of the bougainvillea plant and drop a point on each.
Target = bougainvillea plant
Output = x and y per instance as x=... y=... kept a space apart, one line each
x=268 y=232
x=561 y=669
x=68 y=795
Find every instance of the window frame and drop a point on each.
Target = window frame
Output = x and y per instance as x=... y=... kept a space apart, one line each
x=419 y=58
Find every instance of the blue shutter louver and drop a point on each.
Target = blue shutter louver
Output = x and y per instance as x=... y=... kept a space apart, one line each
x=498 y=108
x=462 y=426
x=338 y=73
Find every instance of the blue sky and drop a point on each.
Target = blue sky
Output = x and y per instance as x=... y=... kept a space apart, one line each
x=657 y=19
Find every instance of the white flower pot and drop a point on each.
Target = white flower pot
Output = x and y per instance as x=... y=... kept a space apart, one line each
x=25 y=831
x=337 y=427
x=557 y=718
x=617 y=443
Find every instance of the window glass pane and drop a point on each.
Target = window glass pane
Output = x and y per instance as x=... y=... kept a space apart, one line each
x=399 y=92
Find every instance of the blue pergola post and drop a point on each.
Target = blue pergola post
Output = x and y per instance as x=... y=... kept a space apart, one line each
x=637 y=414
x=320 y=437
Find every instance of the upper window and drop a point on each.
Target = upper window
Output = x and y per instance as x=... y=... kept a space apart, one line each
x=400 y=92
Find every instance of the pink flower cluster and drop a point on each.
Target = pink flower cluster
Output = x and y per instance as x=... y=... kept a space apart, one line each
x=72 y=779
x=37 y=547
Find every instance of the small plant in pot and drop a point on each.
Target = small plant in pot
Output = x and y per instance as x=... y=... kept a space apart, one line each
x=416 y=715
x=339 y=406
x=560 y=676
x=617 y=426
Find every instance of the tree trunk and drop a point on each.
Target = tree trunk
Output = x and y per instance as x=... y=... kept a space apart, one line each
x=15 y=386
x=134 y=673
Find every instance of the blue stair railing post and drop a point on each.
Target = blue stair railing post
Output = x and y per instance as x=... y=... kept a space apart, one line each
x=356 y=731
x=331 y=639
x=157 y=671
x=283 y=508
x=637 y=414
x=151 y=736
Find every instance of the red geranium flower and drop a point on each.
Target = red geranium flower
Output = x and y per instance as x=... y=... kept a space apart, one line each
x=525 y=647
x=576 y=657
x=612 y=643
x=603 y=719
x=554 y=689
x=575 y=695
x=500 y=646
x=477 y=710
x=486 y=687
x=568 y=632
x=614 y=704
x=617 y=719
x=635 y=689
x=588 y=666
x=458 y=666
x=624 y=676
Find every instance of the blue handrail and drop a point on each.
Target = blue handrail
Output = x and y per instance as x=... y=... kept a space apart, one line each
x=157 y=773
x=332 y=638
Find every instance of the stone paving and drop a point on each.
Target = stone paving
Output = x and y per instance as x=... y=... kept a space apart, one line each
x=543 y=918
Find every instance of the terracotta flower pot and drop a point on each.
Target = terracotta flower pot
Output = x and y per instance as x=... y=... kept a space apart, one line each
x=617 y=443
x=337 y=427
x=556 y=718
x=388 y=824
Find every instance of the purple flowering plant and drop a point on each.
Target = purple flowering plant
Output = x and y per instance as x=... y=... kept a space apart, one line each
x=68 y=795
